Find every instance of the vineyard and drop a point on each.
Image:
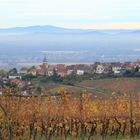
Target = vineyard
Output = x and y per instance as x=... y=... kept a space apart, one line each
x=65 y=116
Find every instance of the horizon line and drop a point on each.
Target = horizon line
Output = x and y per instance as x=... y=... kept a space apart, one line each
x=90 y=27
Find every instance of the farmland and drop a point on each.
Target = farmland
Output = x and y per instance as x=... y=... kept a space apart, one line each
x=99 y=87
x=90 y=110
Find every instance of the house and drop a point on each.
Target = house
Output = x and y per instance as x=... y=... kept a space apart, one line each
x=62 y=73
x=60 y=66
x=71 y=69
x=116 y=67
x=32 y=71
x=41 y=69
x=23 y=71
x=5 y=80
x=128 y=66
x=48 y=70
x=69 y=72
x=136 y=65
x=15 y=76
x=50 y=73
x=99 y=69
x=79 y=69
x=61 y=70
x=116 y=70
x=18 y=82
x=80 y=72
x=51 y=69
x=13 y=71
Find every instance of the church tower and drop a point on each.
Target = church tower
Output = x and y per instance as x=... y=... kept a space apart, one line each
x=45 y=62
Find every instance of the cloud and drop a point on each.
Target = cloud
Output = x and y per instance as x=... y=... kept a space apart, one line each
x=120 y=25
x=105 y=26
x=123 y=25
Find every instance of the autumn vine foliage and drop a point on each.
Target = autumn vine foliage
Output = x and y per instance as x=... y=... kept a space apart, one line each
x=65 y=115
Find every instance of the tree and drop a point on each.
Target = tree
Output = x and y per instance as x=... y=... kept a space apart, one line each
x=13 y=71
x=55 y=77
x=28 y=77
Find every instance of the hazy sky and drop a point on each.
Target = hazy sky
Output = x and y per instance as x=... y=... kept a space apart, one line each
x=71 y=13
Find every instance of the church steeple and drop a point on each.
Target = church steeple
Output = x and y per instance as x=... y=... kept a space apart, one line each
x=45 y=62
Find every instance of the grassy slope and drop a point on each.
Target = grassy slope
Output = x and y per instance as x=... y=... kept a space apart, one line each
x=100 y=87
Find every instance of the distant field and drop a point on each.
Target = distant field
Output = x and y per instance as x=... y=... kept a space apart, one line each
x=114 y=84
x=101 y=87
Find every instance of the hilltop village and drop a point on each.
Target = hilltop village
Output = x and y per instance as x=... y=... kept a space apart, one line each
x=27 y=81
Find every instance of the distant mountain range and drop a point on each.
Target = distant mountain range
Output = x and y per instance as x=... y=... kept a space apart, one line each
x=29 y=44
x=54 y=29
x=42 y=29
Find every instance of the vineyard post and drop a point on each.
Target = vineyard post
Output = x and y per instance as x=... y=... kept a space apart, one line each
x=81 y=116
x=131 y=115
